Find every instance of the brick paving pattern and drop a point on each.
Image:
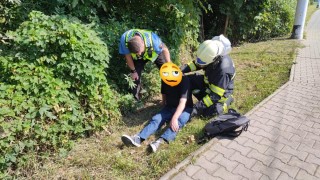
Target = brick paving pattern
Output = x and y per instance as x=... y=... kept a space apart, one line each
x=283 y=139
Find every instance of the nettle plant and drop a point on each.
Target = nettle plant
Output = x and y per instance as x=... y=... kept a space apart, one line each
x=53 y=87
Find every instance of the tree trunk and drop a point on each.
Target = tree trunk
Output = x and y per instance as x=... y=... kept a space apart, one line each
x=226 y=26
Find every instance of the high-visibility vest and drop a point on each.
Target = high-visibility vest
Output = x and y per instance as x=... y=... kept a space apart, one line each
x=146 y=35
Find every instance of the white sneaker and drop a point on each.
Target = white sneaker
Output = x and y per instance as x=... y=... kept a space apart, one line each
x=134 y=140
x=155 y=145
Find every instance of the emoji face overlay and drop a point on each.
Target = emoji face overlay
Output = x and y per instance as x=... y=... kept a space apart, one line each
x=170 y=74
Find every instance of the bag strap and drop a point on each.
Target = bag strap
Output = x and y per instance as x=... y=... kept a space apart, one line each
x=203 y=139
x=237 y=133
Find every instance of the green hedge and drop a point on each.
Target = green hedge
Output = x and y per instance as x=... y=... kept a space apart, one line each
x=53 y=87
x=253 y=20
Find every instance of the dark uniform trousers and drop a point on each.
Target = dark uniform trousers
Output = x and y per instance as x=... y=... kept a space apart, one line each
x=139 y=66
x=199 y=88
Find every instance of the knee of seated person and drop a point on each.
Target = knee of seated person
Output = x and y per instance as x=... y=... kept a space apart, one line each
x=156 y=118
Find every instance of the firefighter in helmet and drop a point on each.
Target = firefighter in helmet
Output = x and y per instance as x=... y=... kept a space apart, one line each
x=214 y=87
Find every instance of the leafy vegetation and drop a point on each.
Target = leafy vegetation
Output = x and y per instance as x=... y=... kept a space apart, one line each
x=62 y=77
x=252 y=20
x=53 y=87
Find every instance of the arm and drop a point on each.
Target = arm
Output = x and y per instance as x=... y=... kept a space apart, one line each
x=217 y=90
x=215 y=95
x=166 y=53
x=191 y=66
x=174 y=120
x=130 y=63
x=163 y=103
x=160 y=47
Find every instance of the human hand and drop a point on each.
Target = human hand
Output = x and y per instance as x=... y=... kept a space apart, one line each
x=134 y=76
x=174 y=125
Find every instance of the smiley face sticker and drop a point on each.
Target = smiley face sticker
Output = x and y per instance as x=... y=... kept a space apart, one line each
x=170 y=74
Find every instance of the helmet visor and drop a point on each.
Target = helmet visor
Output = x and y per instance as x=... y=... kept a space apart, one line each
x=201 y=63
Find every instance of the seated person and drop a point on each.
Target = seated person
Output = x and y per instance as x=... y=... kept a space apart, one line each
x=177 y=101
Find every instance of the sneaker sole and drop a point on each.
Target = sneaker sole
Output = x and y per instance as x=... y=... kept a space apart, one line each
x=128 y=141
x=153 y=148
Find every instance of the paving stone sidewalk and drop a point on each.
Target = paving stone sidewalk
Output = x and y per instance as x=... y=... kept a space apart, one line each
x=283 y=139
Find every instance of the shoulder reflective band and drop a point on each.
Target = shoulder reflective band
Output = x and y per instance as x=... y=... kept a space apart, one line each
x=217 y=89
x=207 y=101
x=192 y=66
x=145 y=35
x=129 y=35
x=147 y=38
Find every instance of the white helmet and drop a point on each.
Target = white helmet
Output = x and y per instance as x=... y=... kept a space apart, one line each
x=226 y=43
x=208 y=51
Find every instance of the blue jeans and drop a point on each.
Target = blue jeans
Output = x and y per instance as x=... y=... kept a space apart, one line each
x=160 y=118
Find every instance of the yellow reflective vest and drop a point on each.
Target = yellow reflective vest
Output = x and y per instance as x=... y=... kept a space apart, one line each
x=146 y=35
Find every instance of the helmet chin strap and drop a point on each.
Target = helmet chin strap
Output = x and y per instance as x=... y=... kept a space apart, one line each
x=202 y=66
x=216 y=61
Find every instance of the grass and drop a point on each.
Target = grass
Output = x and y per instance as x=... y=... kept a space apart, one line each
x=311 y=9
x=261 y=69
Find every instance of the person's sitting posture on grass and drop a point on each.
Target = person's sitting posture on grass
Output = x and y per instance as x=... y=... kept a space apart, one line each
x=177 y=101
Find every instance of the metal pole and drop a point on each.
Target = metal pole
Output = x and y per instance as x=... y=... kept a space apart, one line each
x=300 y=16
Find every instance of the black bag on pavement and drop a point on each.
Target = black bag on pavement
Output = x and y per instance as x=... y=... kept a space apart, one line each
x=231 y=124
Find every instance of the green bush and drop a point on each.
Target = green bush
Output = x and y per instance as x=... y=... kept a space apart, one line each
x=14 y=12
x=249 y=20
x=53 y=87
x=275 y=20
x=111 y=32
x=181 y=26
